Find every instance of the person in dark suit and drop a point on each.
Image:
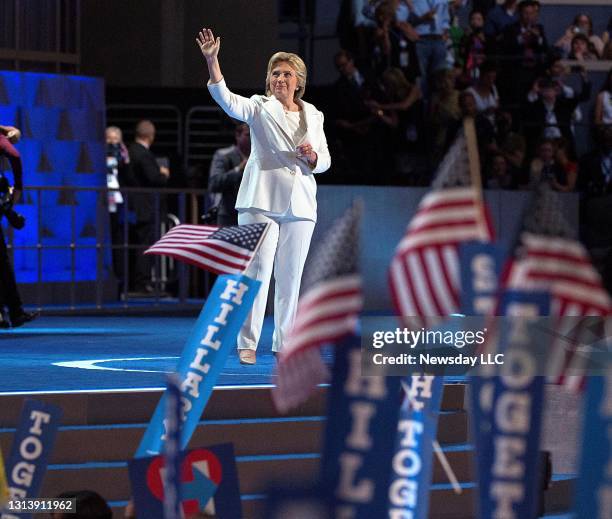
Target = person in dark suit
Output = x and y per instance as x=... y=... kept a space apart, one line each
x=9 y=293
x=595 y=181
x=225 y=174
x=549 y=113
x=355 y=130
x=144 y=171
x=524 y=48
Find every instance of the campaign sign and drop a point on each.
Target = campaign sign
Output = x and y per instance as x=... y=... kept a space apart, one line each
x=481 y=265
x=360 y=435
x=412 y=465
x=209 y=483
x=210 y=343
x=594 y=487
x=510 y=485
x=32 y=445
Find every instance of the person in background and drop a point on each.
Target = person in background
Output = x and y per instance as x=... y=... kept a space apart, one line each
x=288 y=147
x=485 y=91
x=500 y=174
x=117 y=161
x=444 y=113
x=398 y=109
x=595 y=179
x=432 y=21
x=225 y=174
x=88 y=505
x=552 y=166
x=473 y=47
x=500 y=17
x=606 y=39
x=9 y=293
x=548 y=115
x=524 y=48
x=356 y=139
x=582 y=24
x=603 y=103
x=582 y=49
x=392 y=46
x=145 y=172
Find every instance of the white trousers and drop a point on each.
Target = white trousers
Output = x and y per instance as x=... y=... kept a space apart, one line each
x=285 y=247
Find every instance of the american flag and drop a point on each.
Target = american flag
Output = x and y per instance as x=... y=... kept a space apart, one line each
x=424 y=274
x=222 y=250
x=549 y=258
x=328 y=310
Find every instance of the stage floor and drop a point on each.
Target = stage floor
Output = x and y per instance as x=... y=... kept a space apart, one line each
x=109 y=353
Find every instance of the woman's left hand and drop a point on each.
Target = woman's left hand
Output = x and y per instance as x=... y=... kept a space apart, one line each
x=305 y=151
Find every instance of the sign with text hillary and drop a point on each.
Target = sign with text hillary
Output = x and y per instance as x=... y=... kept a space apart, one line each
x=208 y=479
x=594 y=488
x=208 y=346
x=510 y=485
x=360 y=436
x=32 y=445
x=412 y=464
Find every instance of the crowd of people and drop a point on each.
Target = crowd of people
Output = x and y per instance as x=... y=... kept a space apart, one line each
x=409 y=73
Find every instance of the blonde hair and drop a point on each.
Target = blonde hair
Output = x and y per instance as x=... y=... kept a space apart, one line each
x=296 y=64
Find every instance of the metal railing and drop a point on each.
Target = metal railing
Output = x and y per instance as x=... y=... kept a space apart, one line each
x=102 y=271
x=168 y=121
x=207 y=129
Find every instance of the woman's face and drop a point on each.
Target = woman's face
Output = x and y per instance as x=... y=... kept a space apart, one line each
x=579 y=46
x=283 y=81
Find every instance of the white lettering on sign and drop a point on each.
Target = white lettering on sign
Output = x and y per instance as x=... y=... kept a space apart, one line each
x=351 y=488
x=512 y=415
x=407 y=463
x=30 y=449
x=199 y=366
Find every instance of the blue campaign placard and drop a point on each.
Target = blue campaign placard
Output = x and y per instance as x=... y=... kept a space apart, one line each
x=481 y=265
x=509 y=483
x=204 y=356
x=360 y=436
x=209 y=483
x=32 y=445
x=412 y=464
x=594 y=487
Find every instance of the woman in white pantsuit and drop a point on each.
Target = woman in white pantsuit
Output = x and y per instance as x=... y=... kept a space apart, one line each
x=287 y=147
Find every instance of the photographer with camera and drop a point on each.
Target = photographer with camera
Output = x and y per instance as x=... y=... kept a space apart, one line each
x=9 y=294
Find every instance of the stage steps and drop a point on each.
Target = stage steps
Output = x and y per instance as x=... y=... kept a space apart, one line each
x=101 y=431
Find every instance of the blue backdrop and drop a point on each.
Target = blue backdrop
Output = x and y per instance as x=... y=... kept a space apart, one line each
x=62 y=120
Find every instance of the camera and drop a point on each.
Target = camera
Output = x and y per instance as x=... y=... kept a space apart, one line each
x=16 y=220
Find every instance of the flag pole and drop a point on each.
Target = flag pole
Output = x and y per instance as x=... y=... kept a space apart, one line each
x=469 y=130
x=450 y=474
x=447 y=468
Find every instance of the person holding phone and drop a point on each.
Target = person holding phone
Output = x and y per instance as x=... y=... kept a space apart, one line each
x=288 y=147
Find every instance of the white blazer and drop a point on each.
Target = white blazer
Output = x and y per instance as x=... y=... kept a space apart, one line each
x=274 y=177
